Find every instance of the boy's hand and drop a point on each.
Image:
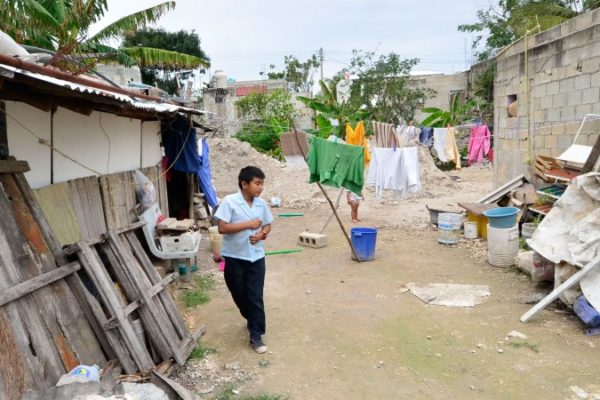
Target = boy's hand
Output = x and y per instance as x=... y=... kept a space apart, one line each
x=256 y=238
x=254 y=224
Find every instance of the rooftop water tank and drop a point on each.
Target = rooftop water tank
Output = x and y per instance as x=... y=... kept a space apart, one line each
x=220 y=79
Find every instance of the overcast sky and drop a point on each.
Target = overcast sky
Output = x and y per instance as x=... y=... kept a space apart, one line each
x=243 y=37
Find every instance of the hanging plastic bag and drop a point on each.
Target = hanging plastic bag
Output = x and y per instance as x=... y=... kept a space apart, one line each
x=144 y=189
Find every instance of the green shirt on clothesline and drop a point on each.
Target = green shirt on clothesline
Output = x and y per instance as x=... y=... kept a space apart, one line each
x=336 y=164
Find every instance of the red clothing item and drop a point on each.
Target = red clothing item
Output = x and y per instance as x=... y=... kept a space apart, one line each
x=479 y=144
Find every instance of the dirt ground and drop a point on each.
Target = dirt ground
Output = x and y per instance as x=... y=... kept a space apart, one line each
x=338 y=329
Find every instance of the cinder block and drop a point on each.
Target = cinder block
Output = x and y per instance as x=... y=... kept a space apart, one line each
x=310 y=239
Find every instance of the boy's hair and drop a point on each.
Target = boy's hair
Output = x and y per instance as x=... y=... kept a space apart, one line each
x=248 y=173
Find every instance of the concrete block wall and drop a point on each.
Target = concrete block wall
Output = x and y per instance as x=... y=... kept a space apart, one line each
x=564 y=85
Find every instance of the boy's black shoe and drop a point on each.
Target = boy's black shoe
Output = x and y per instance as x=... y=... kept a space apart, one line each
x=258 y=345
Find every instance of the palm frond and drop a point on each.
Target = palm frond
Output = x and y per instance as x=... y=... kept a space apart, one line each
x=134 y=21
x=149 y=57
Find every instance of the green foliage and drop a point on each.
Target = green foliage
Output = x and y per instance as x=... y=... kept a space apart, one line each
x=483 y=89
x=381 y=86
x=460 y=111
x=201 y=351
x=328 y=108
x=268 y=115
x=63 y=26
x=199 y=295
x=531 y=346
x=266 y=106
x=504 y=23
x=299 y=75
x=178 y=50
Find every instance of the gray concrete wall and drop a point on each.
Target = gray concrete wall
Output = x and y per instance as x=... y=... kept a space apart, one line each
x=563 y=70
x=444 y=85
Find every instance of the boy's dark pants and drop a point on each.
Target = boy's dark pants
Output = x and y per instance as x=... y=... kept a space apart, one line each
x=245 y=281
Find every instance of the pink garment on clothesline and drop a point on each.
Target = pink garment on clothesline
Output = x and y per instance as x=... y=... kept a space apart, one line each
x=479 y=144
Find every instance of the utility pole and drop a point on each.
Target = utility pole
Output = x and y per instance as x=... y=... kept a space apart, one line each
x=321 y=58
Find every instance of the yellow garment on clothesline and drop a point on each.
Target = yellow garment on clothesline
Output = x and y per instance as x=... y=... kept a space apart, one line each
x=451 y=149
x=357 y=137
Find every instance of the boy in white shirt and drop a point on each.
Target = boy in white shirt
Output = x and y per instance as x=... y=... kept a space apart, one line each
x=245 y=222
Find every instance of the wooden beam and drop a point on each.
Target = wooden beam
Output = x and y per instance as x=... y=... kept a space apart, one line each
x=3 y=132
x=13 y=166
x=592 y=158
x=33 y=284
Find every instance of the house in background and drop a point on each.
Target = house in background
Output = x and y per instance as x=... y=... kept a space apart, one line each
x=446 y=86
x=221 y=96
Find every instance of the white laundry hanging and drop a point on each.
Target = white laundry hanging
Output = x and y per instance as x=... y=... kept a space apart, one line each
x=439 y=143
x=394 y=169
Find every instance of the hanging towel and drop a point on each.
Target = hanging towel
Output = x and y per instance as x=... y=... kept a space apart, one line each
x=452 y=148
x=336 y=164
x=479 y=144
x=394 y=169
x=357 y=137
x=426 y=136
x=385 y=134
x=439 y=143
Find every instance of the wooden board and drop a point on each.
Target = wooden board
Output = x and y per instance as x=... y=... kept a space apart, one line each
x=55 y=201
x=118 y=199
x=477 y=208
x=13 y=166
x=87 y=206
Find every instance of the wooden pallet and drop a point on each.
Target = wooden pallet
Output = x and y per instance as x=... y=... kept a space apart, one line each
x=143 y=294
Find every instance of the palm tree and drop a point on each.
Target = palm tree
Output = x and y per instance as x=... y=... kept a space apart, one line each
x=548 y=13
x=63 y=26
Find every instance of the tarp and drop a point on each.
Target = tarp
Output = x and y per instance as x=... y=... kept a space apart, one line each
x=571 y=230
x=181 y=148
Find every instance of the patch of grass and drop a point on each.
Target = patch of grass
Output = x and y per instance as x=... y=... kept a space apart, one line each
x=201 y=351
x=264 y=363
x=531 y=346
x=199 y=295
x=228 y=394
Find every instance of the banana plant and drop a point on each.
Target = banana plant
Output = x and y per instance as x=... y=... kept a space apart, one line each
x=63 y=26
x=459 y=112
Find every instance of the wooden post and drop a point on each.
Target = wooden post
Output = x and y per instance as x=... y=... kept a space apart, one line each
x=333 y=208
x=592 y=158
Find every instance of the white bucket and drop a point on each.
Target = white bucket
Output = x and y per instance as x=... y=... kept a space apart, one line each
x=503 y=246
x=527 y=230
x=215 y=240
x=471 y=231
x=449 y=226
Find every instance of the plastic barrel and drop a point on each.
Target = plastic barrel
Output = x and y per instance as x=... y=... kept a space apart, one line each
x=503 y=246
x=502 y=217
x=449 y=228
x=364 y=241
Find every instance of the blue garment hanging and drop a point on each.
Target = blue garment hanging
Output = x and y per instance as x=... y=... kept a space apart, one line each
x=426 y=136
x=181 y=148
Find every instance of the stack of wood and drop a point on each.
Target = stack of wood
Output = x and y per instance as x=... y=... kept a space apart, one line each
x=544 y=164
x=55 y=315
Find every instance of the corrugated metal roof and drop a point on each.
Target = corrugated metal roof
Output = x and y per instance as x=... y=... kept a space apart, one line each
x=76 y=87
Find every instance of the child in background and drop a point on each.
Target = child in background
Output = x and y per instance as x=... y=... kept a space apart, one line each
x=354 y=201
x=245 y=222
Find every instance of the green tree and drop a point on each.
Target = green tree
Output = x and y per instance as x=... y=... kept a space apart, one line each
x=266 y=116
x=382 y=86
x=460 y=111
x=299 y=75
x=512 y=19
x=163 y=75
x=63 y=26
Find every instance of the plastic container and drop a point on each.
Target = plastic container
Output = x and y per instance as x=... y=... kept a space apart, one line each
x=503 y=246
x=182 y=268
x=215 y=240
x=364 y=241
x=471 y=231
x=449 y=228
x=482 y=223
x=91 y=372
x=502 y=217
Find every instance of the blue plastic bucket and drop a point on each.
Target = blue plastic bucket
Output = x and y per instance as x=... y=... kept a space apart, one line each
x=502 y=217
x=364 y=241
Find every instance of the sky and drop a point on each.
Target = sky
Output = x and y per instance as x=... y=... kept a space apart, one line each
x=245 y=37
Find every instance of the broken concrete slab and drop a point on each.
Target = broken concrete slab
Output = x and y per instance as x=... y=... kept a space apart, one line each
x=450 y=294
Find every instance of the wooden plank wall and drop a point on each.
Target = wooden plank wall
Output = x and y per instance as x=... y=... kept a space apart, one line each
x=85 y=208
x=44 y=333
